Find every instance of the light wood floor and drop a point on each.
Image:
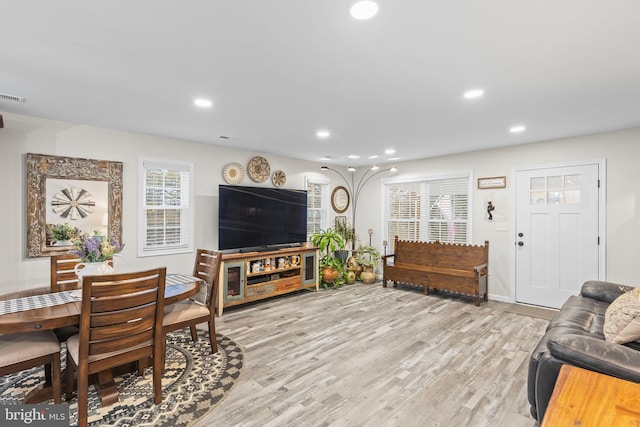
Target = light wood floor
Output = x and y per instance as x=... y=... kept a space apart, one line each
x=365 y=355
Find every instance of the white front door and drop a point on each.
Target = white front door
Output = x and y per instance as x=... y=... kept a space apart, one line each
x=556 y=232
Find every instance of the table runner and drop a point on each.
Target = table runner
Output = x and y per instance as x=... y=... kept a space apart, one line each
x=57 y=298
x=35 y=301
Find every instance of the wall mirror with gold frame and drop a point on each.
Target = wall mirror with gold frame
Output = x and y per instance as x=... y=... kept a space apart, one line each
x=85 y=194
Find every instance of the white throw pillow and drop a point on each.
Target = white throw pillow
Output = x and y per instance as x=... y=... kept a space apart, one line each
x=622 y=318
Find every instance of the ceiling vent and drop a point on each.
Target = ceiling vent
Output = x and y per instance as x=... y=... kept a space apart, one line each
x=7 y=97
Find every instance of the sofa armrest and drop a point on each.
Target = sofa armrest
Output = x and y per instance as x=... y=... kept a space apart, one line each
x=603 y=291
x=597 y=355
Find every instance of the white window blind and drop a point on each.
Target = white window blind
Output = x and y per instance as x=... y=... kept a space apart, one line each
x=166 y=214
x=428 y=210
x=317 y=202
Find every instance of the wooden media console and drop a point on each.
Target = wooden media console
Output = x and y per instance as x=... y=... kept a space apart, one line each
x=252 y=276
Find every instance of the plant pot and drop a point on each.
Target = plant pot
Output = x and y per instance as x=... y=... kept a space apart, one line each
x=368 y=275
x=341 y=254
x=329 y=274
x=350 y=277
x=352 y=264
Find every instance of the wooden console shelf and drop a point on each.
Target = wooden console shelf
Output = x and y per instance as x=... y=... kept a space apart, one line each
x=252 y=276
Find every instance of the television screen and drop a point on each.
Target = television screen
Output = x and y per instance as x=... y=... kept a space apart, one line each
x=260 y=217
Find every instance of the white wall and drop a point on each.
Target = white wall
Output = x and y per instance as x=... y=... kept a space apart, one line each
x=23 y=134
x=621 y=149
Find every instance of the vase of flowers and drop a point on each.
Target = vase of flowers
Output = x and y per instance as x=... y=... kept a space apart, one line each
x=95 y=252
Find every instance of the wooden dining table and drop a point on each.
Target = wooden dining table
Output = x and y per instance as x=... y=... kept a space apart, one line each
x=68 y=314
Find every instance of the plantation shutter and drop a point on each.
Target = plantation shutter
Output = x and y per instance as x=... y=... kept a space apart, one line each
x=317 y=202
x=166 y=213
x=427 y=210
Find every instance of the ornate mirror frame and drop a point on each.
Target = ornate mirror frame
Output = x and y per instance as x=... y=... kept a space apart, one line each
x=41 y=167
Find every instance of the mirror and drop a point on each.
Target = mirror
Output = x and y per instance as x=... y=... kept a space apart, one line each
x=69 y=192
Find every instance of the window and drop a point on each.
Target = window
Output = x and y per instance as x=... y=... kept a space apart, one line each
x=166 y=211
x=317 y=202
x=428 y=209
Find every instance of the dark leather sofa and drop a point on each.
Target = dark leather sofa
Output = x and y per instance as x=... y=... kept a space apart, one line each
x=574 y=337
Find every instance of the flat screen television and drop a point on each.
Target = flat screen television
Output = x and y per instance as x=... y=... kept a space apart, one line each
x=254 y=218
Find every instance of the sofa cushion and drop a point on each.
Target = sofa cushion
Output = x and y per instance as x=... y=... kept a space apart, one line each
x=622 y=318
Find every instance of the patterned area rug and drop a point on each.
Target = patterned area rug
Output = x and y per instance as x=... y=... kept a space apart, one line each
x=194 y=381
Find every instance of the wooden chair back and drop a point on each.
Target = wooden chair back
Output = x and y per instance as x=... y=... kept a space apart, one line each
x=120 y=322
x=63 y=276
x=207 y=268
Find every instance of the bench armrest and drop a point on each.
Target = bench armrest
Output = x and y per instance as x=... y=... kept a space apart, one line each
x=386 y=257
x=597 y=355
x=479 y=268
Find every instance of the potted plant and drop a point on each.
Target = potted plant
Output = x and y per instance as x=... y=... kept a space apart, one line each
x=328 y=241
x=348 y=234
x=368 y=257
x=62 y=234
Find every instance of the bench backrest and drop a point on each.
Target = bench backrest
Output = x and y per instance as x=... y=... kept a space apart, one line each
x=446 y=255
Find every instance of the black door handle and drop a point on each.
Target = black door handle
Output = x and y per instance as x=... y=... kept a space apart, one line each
x=520 y=243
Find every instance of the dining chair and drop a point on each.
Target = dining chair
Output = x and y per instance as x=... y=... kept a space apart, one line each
x=31 y=349
x=120 y=323
x=193 y=312
x=63 y=277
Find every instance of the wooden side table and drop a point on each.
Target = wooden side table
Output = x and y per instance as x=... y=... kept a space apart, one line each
x=585 y=398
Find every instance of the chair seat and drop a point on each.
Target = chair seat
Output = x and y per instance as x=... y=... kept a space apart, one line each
x=183 y=311
x=16 y=348
x=73 y=344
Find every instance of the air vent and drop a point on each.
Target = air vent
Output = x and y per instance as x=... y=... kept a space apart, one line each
x=7 y=97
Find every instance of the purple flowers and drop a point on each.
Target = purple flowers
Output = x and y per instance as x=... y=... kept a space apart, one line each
x=96 y=248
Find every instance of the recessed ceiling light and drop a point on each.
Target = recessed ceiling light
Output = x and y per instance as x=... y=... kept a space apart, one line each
x=517 y=129
x=353 y=156
x=474 y=93
x=389 y=151
x=364 y=10
x=375 y=156
x=325 y=158
x=323 y=134
x=202 y=102
x=351 y=169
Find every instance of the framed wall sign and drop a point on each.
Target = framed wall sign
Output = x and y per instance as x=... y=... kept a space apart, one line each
x=340 y=199
x=492 y=182
x=83 y=193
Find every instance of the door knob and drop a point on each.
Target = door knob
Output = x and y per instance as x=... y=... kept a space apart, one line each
x=520 y=243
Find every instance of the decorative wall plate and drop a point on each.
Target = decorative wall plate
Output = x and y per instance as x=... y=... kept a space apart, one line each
x=259 y=169
x=233 y=173
x=279 y=178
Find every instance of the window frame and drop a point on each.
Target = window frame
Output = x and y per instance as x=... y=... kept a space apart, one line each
x=186 y=230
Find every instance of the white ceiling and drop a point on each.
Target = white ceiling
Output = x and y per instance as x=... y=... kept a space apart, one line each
x=279 y=70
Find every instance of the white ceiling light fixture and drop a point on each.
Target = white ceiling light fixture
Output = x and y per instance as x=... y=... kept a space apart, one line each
x=474 y=93
x=517 y=129
x=203 y=103
x=323 y=134
x=389 y=151
x=364 y=10
x=353 y=156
